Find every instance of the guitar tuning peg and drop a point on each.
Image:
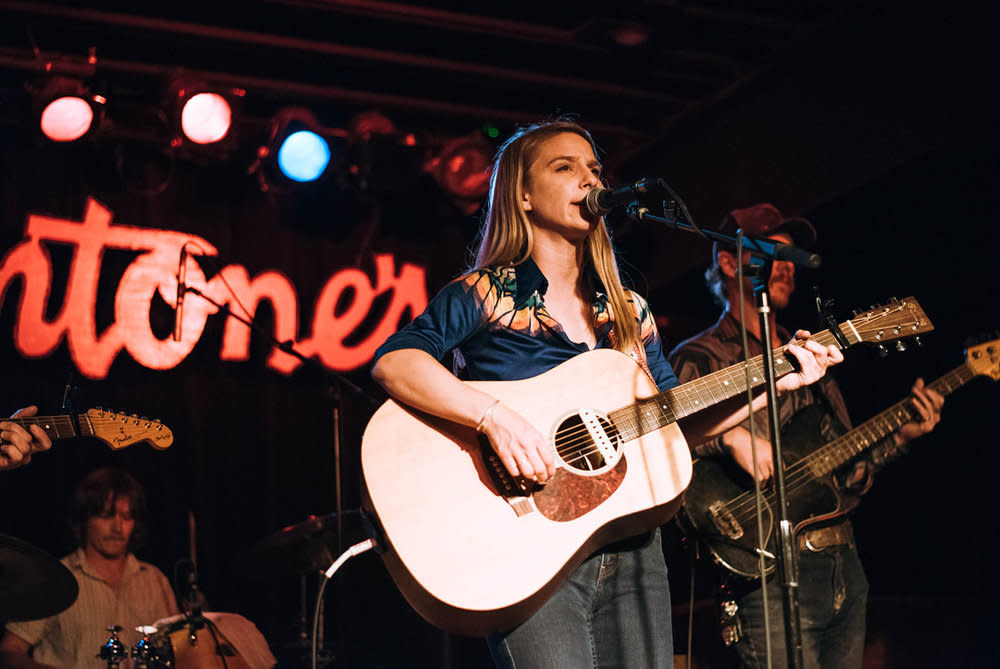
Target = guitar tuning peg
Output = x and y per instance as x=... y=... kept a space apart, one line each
x=918 y=341
x=882 y=350
x=900 y=345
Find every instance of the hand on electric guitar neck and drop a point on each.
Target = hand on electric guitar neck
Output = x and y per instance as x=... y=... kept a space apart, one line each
x=17 y=443
x=928 y=403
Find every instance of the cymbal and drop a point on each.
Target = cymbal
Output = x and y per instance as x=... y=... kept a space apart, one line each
x=305 y=547
x=33 y=584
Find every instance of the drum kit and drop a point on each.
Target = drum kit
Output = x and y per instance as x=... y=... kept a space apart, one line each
x=34 y=585
x=192 y=641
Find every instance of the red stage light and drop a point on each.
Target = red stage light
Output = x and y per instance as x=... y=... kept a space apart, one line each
x=67 y=110
x=463 y=167
x=66 y=119
x=206 y=118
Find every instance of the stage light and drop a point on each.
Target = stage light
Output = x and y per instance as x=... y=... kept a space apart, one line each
x=462 y=168
x=206 y=118
x=303 y=156
x=68 y=111
x=203 y=117
x=298 y=151
x=384 y=161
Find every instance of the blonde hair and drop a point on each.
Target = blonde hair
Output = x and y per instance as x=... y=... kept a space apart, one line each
x=506 y=232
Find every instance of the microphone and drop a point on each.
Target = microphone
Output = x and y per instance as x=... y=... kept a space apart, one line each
x=600 y=201
x=179 y=304
x=800 y=257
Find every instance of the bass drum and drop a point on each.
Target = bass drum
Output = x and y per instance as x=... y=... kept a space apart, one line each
x=212 y=641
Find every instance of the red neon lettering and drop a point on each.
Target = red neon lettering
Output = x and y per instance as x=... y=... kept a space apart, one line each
x=154 y=271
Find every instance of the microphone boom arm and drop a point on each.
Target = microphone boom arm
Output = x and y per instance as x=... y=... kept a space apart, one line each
x=761 y=247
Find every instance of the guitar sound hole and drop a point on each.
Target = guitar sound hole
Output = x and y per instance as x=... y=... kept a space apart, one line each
x=588 y=442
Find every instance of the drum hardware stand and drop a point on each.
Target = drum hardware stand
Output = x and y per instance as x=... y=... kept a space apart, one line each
x=193 y=617
x=143 y=653
x=113 y=651
x=677 y=217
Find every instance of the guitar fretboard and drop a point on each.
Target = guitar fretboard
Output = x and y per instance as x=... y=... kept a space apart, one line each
x=57 y=427
x=668 y=406
x=824 y=461
x=897 y=319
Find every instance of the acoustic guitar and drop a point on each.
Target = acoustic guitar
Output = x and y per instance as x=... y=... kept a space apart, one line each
x=474 y=550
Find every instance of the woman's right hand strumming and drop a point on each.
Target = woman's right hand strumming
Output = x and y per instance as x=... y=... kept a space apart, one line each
x=522 y=449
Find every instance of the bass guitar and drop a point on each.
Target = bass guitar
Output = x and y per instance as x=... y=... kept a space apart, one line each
x=474 y=550
x=117 y=430
x=720 y=507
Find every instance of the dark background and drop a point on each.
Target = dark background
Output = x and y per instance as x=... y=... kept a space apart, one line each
x=878 y=125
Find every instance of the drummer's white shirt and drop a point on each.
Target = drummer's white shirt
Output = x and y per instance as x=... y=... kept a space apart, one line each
x=74 y=637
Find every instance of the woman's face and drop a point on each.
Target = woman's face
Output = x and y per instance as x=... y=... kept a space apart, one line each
x=558 y=180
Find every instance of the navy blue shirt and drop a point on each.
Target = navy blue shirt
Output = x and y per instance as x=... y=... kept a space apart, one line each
x=497 y=320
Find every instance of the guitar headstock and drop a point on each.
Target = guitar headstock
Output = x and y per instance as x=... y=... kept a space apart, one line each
x=894 y=320
x=984 y=359
x=119 y=430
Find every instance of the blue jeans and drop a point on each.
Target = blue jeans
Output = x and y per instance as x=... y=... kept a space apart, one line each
x=613 y=611
x=833 y=592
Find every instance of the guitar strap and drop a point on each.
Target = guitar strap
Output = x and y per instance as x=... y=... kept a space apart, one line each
x=637 y=353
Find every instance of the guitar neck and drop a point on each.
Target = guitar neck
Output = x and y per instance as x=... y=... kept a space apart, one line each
x=824 y=461
x=671 y=405
x=64 y=426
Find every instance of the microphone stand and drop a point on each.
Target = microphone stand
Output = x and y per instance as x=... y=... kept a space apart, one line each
x=339 y=382
x=786 y=563
x=677 y=217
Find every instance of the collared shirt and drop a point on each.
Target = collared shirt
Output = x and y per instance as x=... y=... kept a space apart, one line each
x=722 y=346
x=74 y=637
x=496 y=318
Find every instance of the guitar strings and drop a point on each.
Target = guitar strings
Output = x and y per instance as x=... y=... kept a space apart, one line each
x=578 y=437
x=626 y=418
x=571 y=445
x=893 y=417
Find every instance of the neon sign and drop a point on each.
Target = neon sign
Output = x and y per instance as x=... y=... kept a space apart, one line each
x=154 y=271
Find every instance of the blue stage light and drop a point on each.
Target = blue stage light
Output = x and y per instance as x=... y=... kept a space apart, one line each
x=303 y=156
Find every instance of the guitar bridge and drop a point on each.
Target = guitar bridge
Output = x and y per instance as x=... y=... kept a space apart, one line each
x=515 y=491
x=724 y=521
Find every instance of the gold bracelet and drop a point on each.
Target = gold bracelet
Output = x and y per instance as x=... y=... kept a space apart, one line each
x=487 y=414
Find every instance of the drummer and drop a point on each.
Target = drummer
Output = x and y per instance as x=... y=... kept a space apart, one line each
x=107 y=514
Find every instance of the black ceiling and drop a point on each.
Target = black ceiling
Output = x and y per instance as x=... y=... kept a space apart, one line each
x=634 y=70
